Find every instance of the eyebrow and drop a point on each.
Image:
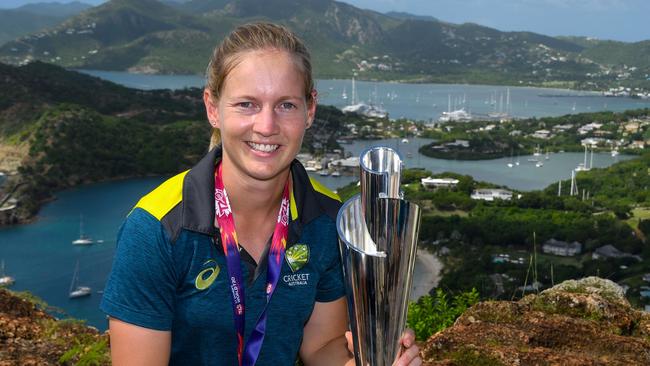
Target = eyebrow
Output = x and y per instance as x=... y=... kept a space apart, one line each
x=284 y=97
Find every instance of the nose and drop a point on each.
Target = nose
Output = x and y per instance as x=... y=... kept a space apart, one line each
x=265 y=122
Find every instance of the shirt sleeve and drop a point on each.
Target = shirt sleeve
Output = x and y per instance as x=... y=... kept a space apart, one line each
x=330 y=285
x=142 y=283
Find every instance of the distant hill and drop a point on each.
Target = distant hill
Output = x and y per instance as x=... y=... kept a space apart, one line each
x=55 y=9
x=404 y=15
x=30 y=18
x=150 y=36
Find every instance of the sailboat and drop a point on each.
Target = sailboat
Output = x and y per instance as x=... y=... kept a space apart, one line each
x=584 y=167
x=75 y=289
x=4 y=279
x=83 y=239
x=368 y=110
x=511 y=164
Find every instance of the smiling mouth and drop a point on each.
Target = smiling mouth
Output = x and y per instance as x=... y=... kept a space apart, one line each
x=267 y=148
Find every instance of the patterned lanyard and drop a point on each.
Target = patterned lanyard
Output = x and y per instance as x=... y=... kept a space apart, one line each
x=248 y=355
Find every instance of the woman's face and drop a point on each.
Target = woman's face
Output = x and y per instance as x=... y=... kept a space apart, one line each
x=262 y=114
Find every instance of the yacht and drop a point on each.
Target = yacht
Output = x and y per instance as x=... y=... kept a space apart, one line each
x=405 y=141
x=459 y=115
x=368 y=110
x=539 y=164
x=4 y=279
x=336 y=173
x=324 y=173
x=83 y=239
x=76 y=290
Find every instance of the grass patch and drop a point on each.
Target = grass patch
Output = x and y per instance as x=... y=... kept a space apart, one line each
x=638 y=214
x=469 y=357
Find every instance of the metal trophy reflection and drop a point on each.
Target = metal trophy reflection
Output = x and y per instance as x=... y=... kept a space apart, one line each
x=378 y=233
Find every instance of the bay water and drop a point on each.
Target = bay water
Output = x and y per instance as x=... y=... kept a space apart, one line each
x=423 y=102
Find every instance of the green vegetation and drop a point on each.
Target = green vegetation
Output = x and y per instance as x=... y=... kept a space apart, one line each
x=433 y=313
x=469 y=243
x=87 y=351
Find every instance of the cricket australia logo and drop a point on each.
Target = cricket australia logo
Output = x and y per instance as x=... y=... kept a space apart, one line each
x=221 y=203
x=297 y=256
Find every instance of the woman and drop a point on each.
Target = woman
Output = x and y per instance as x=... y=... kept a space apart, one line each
x=236 y=260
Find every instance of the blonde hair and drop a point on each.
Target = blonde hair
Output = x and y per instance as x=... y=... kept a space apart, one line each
x=252 y=37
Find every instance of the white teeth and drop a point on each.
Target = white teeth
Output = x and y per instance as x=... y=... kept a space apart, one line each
x=263 y=147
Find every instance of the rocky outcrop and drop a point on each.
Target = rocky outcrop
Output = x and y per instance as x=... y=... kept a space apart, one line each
x=584 y=322
x=29 y=336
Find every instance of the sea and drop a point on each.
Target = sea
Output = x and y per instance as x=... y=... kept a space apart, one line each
x=42 y=259
x=424 y=102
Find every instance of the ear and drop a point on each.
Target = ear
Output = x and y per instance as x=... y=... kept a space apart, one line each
x=311 y=108
x=211 y=108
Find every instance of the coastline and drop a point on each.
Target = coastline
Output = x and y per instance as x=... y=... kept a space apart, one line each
x=426 y=275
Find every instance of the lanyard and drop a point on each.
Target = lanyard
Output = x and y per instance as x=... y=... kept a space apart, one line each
x=248 y=354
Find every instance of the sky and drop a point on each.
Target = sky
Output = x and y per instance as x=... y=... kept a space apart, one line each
x=622 y=20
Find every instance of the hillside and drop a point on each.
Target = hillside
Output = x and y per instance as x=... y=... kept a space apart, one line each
x=56 y=134
x=584 y=322
x=31 y=336
x=154 y=37
x=31 y=18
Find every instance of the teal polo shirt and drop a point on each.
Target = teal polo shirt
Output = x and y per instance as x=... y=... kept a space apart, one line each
x=169 y=271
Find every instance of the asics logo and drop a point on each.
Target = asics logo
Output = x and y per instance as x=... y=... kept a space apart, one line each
x=206 y=277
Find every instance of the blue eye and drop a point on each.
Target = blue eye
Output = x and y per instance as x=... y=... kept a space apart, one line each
x=286 y=106
x=245 y=105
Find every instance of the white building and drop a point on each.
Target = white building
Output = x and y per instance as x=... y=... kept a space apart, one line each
x=491 y=194
x=542 y=134
x=439 y=182
x=561 y=248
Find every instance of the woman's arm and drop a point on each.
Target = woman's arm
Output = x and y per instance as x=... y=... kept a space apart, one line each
x=135 y=345
x=324 y=340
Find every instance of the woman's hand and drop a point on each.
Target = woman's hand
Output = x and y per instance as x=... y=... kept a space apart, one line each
x=410 y=354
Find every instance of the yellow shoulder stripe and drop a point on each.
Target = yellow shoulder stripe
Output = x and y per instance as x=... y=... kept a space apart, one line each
x=162 y=199
x=323 y=190
x=294 y=208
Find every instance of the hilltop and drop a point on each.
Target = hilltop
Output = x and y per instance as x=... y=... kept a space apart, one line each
x=149 y=36
x=584 y=322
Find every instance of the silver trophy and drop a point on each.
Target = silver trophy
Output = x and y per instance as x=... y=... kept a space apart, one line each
x=378 y=232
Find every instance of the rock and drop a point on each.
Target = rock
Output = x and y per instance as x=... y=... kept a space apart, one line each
x=584 y=322
x=30 y=336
